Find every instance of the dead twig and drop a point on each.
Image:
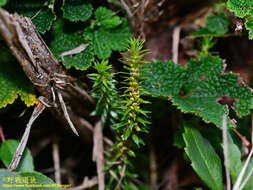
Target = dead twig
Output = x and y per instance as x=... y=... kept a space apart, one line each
x=86 y=184
x=2 y=134
x=175 y=43
x=122 y=175
x=74 y=51
x=21 y=147
x=56 y=159
x=127 y=8
x=243 y=138
x=42 y=68
x=98 y=153
x=90 y=128
x=153 y=168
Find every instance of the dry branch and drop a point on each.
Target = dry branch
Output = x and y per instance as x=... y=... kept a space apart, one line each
x=41 y=67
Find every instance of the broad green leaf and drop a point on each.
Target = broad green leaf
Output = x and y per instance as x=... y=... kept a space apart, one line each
x=204 y=32
x=7 y=151
x=106 y=18
x=10 y=180
x=217 y=24
x=249 y=184
x=204 y=159
x=197 y=88
x=77 y=10
x=41 y=15
x=235 y=163
x=13 y=83
x=25 y=181
x=163 y=78
x=43 y=182
x=64 y=40
x=3 y=2
x=106 y=40
x=234 y=159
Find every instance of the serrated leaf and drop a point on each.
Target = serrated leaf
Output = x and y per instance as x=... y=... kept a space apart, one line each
x=163 y=78
x=249 y=26
x=41 y=15
x=217 y=24
x=196 y=88
x=77 y=10
x=105 y=40
x=13 y=83
x=240 y=7
x=68 y=40
x=106 y=18
x=204 y=159
x=7 y=151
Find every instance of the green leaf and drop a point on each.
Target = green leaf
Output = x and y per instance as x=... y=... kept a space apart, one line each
x=240 y=7
x=44 y=20
x=163 y=78
x=42 y=16
x=197 y=88
x=64 y=40
x=40 y=179
x=204 y=32
x=249 y=26
x=9 y=180
x=13 y=83
x=25 y=181
x=3 y=2
x=204 y=159
x=234 y=159
x=7 y=151
x=105 y=40
x=217 y=24
x=249 y=184
x=77 y=10
x=136 y=140
x=106 y=18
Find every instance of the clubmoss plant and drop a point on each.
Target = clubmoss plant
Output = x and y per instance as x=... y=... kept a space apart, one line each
x=133 y=118
x=105 y=92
